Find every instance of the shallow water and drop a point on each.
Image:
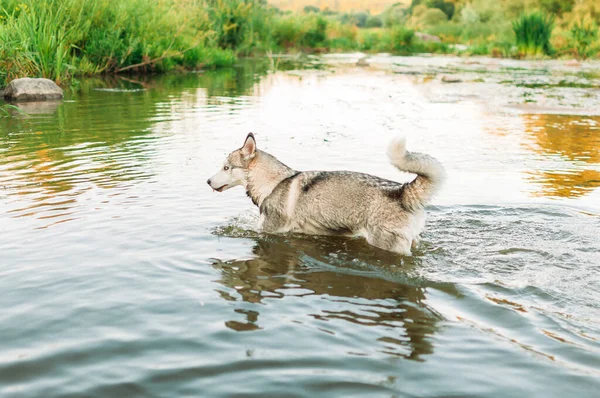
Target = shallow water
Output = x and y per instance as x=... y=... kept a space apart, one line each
x=122 y=274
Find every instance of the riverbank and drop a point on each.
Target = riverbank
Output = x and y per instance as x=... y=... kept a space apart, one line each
x=62 y=39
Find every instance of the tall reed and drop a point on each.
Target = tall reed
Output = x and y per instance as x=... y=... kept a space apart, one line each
x=533 y=32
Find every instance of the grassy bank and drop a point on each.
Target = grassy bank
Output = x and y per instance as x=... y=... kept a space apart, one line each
x=59 y=39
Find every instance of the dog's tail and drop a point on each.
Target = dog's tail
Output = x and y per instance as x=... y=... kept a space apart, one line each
x=430 y=174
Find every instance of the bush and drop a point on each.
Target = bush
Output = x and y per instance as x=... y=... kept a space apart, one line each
x=341 y=36
x=309 y=9
x=374 y=22
x=360 y=19
x=369 y=40
x=287 y=31
x=306 y=31
x=315 y=34
x=585 y=38
x=393 y=16
x=433 y=17
x=533 y=32
x=399 y=39
x=468 y=15
x=557 y=7
x=445 y=6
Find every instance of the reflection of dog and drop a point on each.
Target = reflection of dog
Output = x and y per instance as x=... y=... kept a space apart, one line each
x=386 y=303
x=388 y=214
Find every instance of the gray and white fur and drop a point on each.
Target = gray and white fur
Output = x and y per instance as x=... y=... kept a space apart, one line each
x=390 y=215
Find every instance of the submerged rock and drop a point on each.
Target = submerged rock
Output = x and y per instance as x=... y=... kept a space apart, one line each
x=425 y=37
x=27 y=89
x=573 y=62
x=362 y=61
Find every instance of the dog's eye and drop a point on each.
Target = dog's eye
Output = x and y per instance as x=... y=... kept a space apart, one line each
x=225 y=168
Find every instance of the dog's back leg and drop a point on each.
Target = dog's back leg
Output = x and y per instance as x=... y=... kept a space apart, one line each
x=389 y=240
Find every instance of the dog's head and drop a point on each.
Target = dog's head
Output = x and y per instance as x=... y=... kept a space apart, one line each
x=235 y=170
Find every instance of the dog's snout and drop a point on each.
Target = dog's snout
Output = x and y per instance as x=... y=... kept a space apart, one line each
x=208 y=181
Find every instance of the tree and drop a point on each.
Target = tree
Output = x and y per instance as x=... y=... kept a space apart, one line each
x=557 y=7
x=309 y=9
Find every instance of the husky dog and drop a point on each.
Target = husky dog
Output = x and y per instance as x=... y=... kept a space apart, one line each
x=390 y=215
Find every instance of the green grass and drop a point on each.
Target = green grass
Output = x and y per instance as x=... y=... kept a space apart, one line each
x=584 y=36
x=61 y=39
x=10 y=111
x=533 y=32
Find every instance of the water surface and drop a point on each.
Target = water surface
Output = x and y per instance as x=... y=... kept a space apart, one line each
x=122 y=274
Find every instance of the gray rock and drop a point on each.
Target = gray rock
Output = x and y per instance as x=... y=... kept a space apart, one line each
x=362 y=61
x=451 y=79
x=27 y=89
x=425 y=37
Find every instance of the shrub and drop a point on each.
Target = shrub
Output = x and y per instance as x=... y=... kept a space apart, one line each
x=585 y=38
x=557 y=7
x=394 y=15
x=399 y=39
x=287 y=31
x=360 y=19
x=315 y=34
x=369 y=40
x=445 y=6
x=374 y=22
x=468 y=15
x=433 y=17
x=309 y=9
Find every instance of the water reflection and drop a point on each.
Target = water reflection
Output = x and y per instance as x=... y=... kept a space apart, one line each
x=370 y=294
x=103 y=136
x=570 y=146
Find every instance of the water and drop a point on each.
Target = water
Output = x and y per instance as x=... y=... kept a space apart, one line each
x=122 y=274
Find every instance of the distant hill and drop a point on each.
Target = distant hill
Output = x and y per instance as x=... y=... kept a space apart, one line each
x=375 y=6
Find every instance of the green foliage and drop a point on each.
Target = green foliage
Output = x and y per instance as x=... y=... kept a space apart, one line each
x=309 y=9
x=585 y=38
x=360 y=19
x=369 y=40
x=398 y=39
x=59 y=39
x=445 y=6
x=557 y=7
x=533 y=32
x=38 y=39
x=433 y=17
x=393 y=16
x=10 y=111
x=238 y=25
x=305 y=31
x=374 y=21
x=315 y=34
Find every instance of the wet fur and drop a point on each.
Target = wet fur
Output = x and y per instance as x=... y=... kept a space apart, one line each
x=390 y=215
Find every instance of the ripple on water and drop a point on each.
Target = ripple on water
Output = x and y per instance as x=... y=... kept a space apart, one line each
x=123 y=275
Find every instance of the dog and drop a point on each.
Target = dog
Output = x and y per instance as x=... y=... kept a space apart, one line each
x=390 y=215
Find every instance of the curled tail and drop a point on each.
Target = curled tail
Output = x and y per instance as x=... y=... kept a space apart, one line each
x=430 y=174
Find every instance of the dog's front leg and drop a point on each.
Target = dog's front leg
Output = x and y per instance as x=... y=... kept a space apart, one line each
x=272 y=223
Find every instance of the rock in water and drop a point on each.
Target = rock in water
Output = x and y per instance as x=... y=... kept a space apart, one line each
x=362 y=61
x=427 y=38
x=27 y=89
x=451 y=79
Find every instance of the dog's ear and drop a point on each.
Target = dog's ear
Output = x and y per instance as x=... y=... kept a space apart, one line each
x=249 y=148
